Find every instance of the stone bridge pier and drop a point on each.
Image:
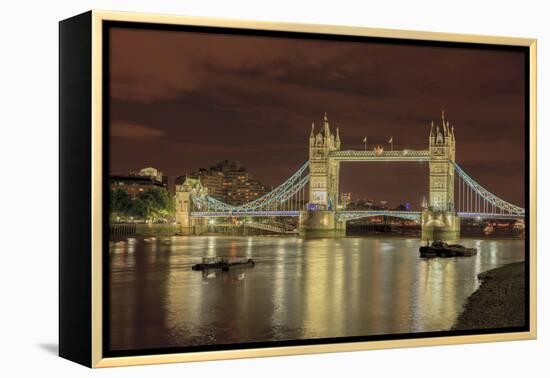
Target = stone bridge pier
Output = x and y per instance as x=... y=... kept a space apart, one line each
x=321 y=223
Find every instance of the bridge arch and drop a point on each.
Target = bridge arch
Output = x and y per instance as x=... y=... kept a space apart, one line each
x=359 y=214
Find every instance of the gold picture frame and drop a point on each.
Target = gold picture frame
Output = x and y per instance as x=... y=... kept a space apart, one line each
x=92 y=354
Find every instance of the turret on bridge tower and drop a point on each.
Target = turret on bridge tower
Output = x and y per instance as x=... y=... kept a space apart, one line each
x=442 y=154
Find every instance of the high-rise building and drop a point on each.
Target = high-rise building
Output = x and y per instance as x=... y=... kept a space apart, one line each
x=153 y=174
x=228 y=181
x=133 y=185
x=214 y=182
x=345 y=200
x=136 y=182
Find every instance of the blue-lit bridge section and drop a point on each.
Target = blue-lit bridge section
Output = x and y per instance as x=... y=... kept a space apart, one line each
x=240 y=214
x=288 y=196
x=342 y=214
x=472 y=198
x=357 y=214
x=347 y=214
x=491 y=215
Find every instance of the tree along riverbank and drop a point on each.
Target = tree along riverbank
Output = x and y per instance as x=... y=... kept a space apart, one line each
x=499 y=302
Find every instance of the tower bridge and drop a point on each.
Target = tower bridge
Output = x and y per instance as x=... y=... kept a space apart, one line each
x=312 y=193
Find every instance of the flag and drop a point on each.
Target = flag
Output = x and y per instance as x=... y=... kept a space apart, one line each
x=365 y=140
x=391 y=140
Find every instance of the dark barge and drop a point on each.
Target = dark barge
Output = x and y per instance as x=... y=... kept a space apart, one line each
x=223 y=264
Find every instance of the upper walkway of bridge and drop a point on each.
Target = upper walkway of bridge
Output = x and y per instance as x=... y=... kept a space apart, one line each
x=374 y=156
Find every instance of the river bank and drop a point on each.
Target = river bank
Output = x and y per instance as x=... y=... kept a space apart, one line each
x=499 y=302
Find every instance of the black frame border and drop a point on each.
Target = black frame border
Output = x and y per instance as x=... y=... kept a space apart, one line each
x=75 y=184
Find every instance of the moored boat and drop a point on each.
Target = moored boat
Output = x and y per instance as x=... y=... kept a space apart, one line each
x=222 y=263
x=439 y=248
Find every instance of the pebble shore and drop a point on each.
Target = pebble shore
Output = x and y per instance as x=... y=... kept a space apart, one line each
x=498 y=303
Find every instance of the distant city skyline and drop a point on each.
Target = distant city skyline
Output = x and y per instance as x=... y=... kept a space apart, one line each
x=181 y=101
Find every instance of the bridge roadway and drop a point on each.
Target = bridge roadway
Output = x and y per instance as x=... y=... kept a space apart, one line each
x=345 y=214
x=270 y=227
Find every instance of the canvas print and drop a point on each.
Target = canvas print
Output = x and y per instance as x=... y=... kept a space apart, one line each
x=269 y=188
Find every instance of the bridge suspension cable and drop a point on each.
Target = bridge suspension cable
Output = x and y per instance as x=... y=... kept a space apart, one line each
x=289 y=196
x=471 y=198
x=475 y=199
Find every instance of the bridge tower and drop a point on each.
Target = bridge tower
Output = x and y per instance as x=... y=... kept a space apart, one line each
x=320 y=217
x=323 y=171
x=184 y=206
x=439 y=218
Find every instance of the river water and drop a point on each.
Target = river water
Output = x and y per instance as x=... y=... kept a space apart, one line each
x=298 y=289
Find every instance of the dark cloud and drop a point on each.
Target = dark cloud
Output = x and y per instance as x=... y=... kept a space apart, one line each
x=204 y=97
x=134 y=131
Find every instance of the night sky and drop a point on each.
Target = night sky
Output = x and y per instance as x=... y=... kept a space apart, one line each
x=184 y=100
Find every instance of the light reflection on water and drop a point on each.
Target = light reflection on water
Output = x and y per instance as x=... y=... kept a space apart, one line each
x=298 y=288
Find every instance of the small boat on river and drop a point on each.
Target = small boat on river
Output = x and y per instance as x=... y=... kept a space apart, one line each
x=223 y=263
x=439 y=248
